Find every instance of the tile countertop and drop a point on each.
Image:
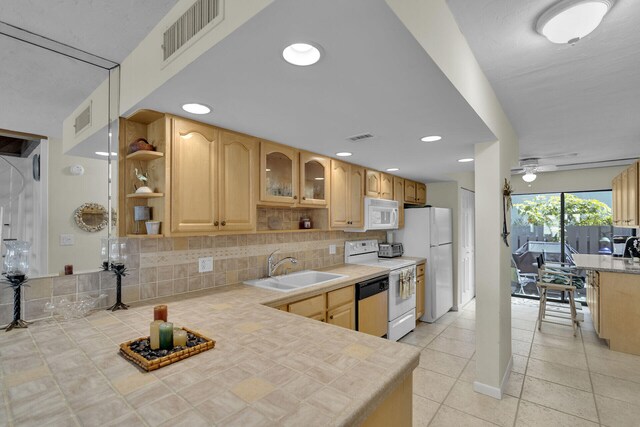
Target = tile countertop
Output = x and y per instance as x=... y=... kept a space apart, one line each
x=269 y=367
x=606 y=263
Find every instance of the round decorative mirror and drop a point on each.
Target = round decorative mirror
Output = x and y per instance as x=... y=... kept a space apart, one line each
x=92 y=217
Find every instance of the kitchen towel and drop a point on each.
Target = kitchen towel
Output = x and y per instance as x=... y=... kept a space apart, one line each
x=407 y=284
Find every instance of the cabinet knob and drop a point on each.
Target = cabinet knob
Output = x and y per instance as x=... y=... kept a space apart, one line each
x=295 y=197
x=216 y=223
x=331 y=317
x=223 y=223
x=303 y=198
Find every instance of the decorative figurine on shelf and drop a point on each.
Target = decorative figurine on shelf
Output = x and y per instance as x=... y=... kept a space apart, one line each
x=117 y=257
x=140 y=144
x=506 y=206
x=143 y=177
x=16 y=267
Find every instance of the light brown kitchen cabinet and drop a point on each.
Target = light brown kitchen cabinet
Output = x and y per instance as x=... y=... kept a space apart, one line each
x=347 y=192
x=341 y=307
x=314 y=307
x=593 y=298
x=278 y=174
x=421 y=193
x=386 y=186
x=237 y=179
x=374 y=184
x=194 y=168
x=398 y=195
x=315 y=175
x=420 y=289
x=409 y=191
x=625 y=188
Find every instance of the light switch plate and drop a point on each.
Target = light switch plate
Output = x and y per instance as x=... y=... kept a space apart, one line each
x=67 y=240
x=205 y=264
x=332 y=249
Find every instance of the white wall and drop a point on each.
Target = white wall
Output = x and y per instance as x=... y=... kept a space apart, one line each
x=573 y=180
x=66 y=193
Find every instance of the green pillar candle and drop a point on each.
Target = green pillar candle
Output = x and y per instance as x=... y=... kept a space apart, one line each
x=166 y=335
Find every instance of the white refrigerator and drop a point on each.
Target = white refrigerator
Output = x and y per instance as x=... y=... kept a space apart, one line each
x=428 y=233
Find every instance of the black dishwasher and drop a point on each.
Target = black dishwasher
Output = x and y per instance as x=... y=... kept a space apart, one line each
x=372 y=307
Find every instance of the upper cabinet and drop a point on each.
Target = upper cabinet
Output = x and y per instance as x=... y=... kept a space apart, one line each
x=315 y=175
x=409 y=191
x=386 y=188
x=625 y=189
x=421 y=193
x=278 y=174
x=347 y=192
x=398 y=195
x=373 y=184
x=194 y=168
x=238 y=180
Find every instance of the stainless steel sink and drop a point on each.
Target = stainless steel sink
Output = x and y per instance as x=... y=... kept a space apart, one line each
x=293 y=281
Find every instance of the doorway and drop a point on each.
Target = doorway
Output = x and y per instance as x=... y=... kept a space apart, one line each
x=466 y=266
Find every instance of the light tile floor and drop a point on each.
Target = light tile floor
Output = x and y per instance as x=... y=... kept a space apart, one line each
x=557 y=379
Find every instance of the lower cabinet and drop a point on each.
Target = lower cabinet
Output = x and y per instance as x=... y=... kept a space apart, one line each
x=420 y=287
x=334 y=307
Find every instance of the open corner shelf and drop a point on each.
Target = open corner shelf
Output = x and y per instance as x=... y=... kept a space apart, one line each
x=144 y=195
x=145 y=155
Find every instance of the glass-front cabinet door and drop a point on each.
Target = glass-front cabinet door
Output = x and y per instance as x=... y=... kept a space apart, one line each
x=314 y=179
x=278 y=173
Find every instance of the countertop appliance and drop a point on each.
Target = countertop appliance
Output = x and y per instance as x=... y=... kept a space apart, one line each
x=428 y=233
x=400 y=315
x=372 y=298
x=390 y=250
x=379 y=214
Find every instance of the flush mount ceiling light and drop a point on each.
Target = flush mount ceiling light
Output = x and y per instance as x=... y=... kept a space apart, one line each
x=392 y=169
x=465 y=160
x=344 y=154
x=195 y=108
x=432 y=138
x=301 y=54
x=568 y=21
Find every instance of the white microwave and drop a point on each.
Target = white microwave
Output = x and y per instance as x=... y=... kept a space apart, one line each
x=379 y=214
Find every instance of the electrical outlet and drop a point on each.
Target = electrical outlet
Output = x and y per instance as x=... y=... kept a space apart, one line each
x=332 y=249
x=67 y=240
x=205 y=264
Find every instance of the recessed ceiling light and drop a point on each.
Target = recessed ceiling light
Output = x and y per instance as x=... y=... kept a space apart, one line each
x=567 y=21
x=344 y=154
x=392 y=169
x=465 y=160
x=105 y=154
x=432 y=138
x=195 y=108
x=301 y=54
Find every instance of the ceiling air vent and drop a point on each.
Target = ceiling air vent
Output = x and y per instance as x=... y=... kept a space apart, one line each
x=83 y=120
x=194 y=20
x=358 y=138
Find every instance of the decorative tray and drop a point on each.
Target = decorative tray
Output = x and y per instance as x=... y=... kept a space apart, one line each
x=139 y=352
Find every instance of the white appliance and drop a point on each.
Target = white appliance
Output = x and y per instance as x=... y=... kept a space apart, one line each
x=428 y=233
x=379 y=214
x=401 y=314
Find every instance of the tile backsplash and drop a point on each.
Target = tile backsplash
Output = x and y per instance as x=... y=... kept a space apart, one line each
x=169 y=266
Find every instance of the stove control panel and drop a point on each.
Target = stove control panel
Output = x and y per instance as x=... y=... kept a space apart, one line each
x=358 y=247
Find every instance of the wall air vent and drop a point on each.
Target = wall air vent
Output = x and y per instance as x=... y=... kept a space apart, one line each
x=202 y=14
x=358 y=138
x=83 y=120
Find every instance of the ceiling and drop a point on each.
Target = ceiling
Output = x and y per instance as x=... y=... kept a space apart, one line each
x=582 y=99
x=39 y=88
x=373 y=78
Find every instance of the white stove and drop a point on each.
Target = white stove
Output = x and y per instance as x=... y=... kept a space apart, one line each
x=401 y=311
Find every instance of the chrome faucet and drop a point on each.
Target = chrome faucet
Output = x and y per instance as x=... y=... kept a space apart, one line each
x=271 y=266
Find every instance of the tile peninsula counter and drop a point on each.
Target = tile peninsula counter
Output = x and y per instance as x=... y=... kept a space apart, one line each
x=613 y=296
x=268 y=367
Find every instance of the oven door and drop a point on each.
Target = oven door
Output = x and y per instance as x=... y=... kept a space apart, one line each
x=397 y=305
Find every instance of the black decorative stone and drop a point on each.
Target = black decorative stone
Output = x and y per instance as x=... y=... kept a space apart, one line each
x=142 y=347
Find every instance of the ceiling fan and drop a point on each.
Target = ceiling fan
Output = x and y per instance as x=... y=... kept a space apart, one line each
x=529 y=166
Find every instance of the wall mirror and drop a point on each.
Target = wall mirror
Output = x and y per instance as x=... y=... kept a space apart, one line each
x=55 y=113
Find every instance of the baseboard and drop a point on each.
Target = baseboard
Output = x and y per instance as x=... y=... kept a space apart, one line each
x=492 y=391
